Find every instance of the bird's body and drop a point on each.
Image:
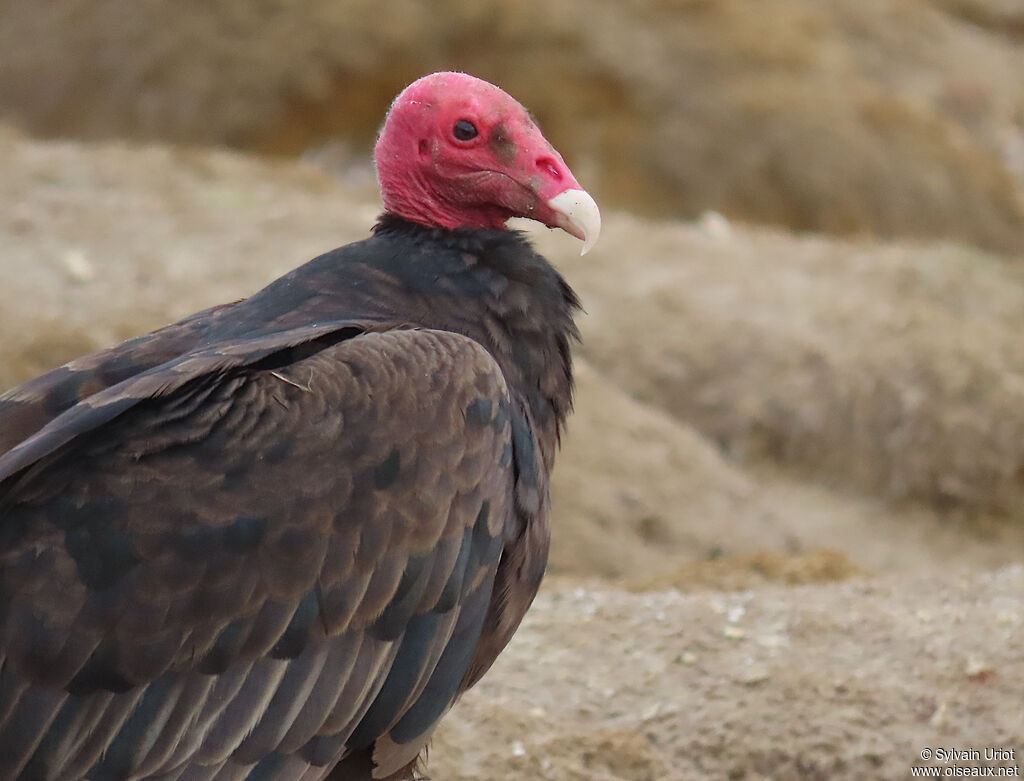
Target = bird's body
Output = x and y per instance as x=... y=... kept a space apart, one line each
x=276 y=540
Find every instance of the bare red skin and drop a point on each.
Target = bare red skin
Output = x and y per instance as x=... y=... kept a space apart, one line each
x=429 y=176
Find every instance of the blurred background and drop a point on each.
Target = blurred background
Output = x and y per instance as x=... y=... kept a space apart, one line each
x=801 y=383
x=867 y=117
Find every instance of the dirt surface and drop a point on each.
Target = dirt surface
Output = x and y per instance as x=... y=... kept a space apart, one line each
x=759 y=417
x=850 y=681
x=898 y=369
x=851 y=116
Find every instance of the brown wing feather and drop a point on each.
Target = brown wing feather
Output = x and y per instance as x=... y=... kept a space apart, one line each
x=310 y=534
x=98 y=403
x=31 y=405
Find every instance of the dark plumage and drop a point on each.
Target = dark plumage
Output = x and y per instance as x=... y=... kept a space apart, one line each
x=280 y=536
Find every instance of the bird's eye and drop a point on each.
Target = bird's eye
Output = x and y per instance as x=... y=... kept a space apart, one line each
x=464 y=130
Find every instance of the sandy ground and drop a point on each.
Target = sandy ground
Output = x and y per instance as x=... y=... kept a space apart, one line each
x=787 y=513
x=848 y=681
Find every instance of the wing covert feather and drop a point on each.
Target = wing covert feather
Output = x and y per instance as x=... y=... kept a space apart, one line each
x=275 y=528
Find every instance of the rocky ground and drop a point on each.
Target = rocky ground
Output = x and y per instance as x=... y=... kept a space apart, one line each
x=788 y=525
x=848 y=681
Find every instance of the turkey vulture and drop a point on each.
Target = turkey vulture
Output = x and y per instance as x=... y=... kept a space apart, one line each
x=276 y=539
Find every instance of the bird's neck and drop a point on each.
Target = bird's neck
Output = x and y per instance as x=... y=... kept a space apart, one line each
x=493 y=287
x=407 y=195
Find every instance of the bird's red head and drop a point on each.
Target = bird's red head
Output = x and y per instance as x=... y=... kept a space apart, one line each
x=456 y=151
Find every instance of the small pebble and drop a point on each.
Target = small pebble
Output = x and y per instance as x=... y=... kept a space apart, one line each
x=975 y=666
x=754 y=676
x=77 y=266
x=715 y=225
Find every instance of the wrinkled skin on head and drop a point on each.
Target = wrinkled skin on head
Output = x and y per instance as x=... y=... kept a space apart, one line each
x=456 y=151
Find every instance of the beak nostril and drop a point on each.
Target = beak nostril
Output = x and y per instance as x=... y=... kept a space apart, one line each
x=548 y=166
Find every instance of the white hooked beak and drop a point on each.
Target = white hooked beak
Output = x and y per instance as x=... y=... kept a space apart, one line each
x=578 y=216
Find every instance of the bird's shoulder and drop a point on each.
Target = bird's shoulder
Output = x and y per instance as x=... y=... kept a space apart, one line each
x=340 y=471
